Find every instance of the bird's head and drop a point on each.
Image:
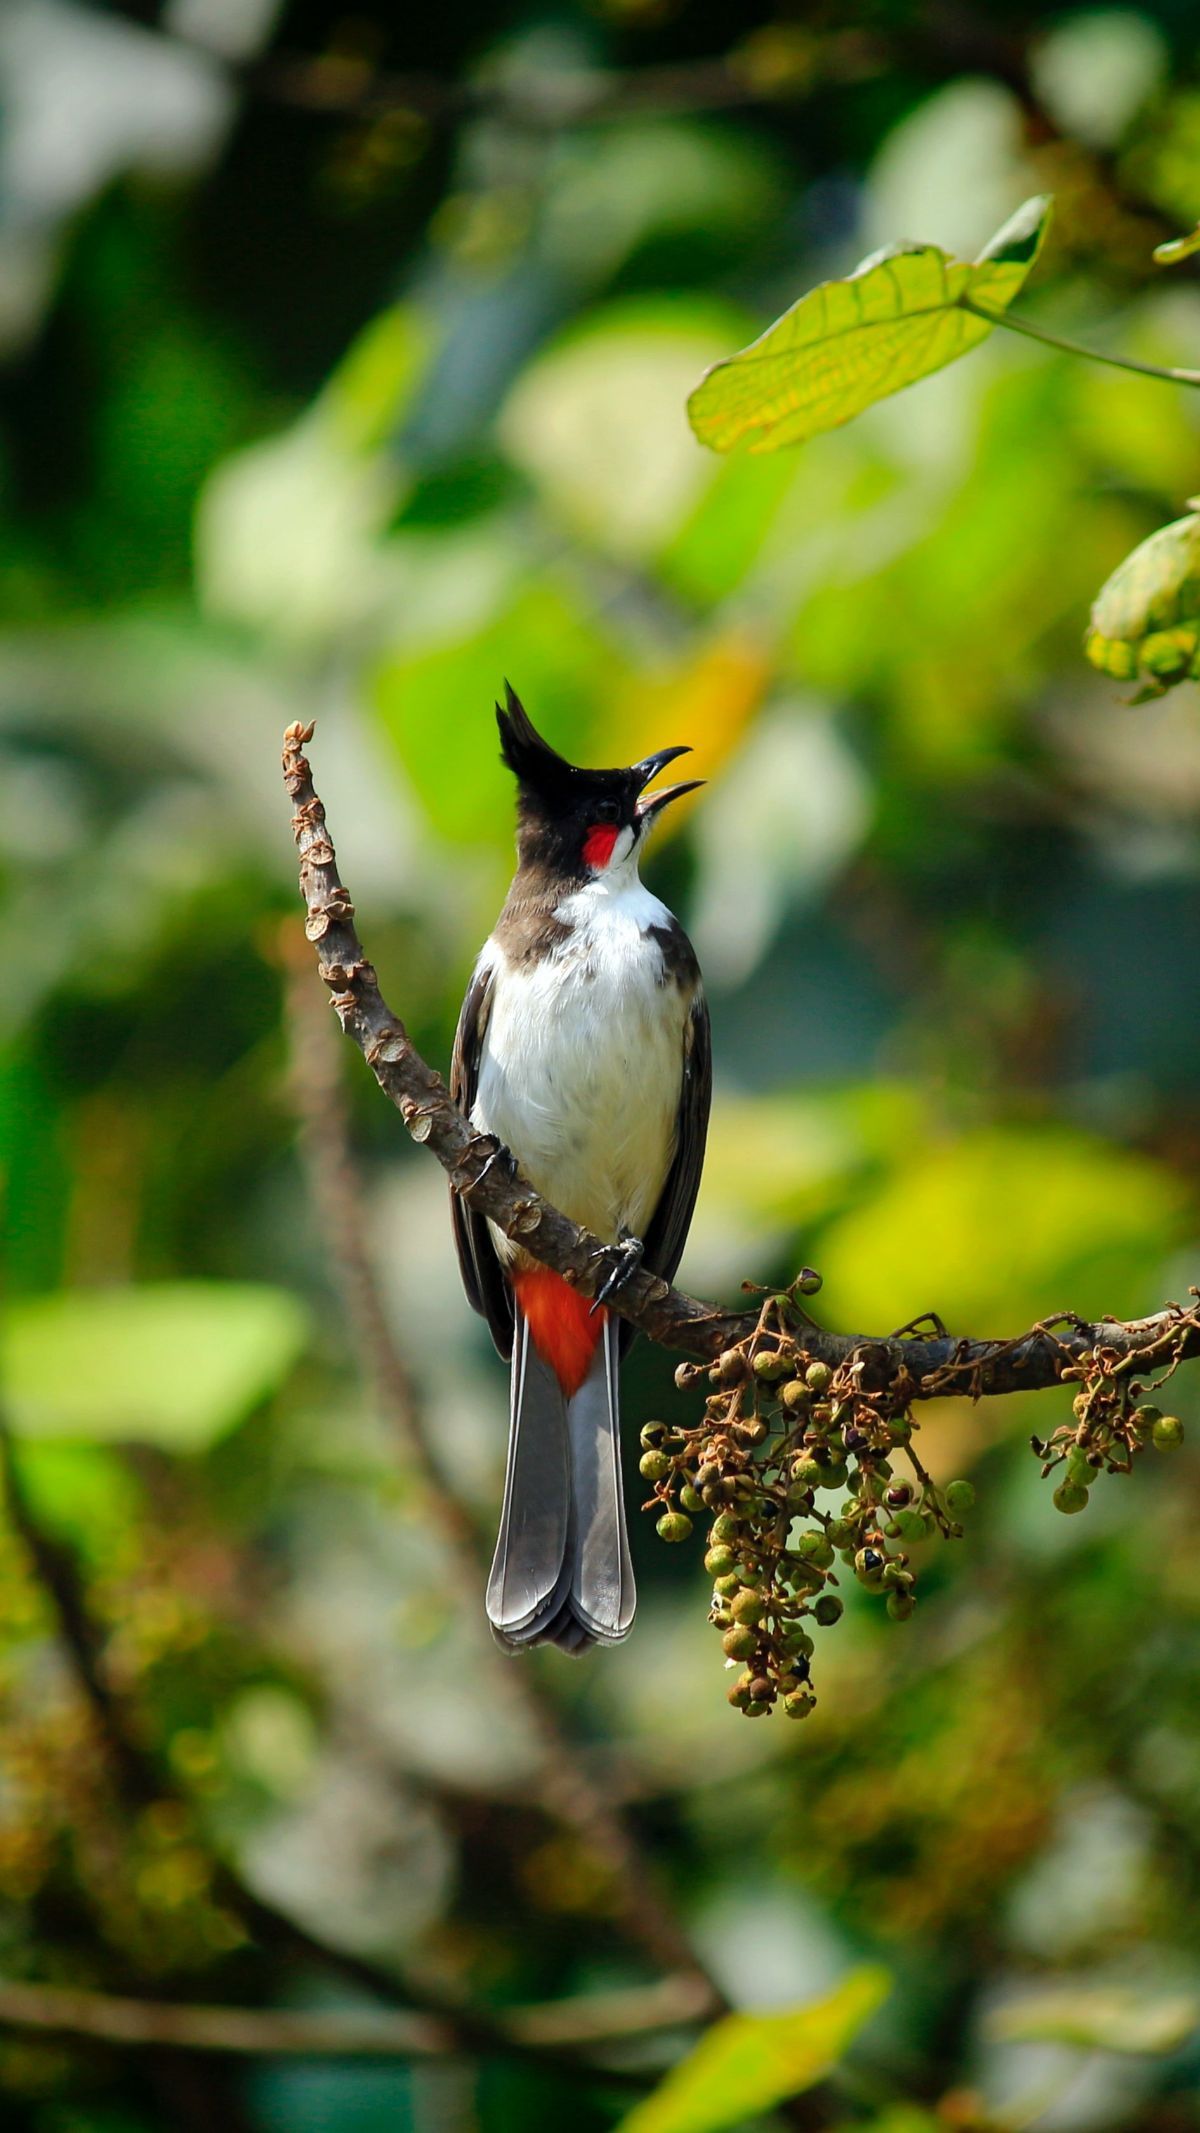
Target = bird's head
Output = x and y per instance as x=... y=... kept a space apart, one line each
x=580 y=822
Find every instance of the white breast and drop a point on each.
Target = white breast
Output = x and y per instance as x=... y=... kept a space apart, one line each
x=582 y=1060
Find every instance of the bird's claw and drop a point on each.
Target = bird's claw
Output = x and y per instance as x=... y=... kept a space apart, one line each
x=625 y=1257
x=500 y=1154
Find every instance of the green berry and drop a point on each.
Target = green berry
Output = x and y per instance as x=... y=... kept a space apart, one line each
x=795 y=1396
x=959 y=1496
x=719 y=1562
x=828 y=1609
x=673 y=1526
x=739 y=1642
x=814 y=1548
x=818 y=1377
x=900 y=1605
x=725 y=1528
x=1168 y=1432
x=796 y=1639
x=654 y=1466
x=799 y=1703
x=807 y=1282
x=755 y=1710
x=806 y=1474
x=771 y=1366
x=869 y=1566
x=909 y=1525
x=730 y=1368
x=726 y=1587
x=690 y=1499
x=1069 y=1497
x=747 y=1607
x=652 y=1435
x=839 y=1533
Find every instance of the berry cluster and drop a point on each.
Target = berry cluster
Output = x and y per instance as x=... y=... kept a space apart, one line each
x=1112 y=1424
x=781 y=1431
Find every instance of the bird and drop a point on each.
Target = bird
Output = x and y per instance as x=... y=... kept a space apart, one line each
x=583 y=1047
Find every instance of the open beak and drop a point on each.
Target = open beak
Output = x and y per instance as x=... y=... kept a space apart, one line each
x=651 y=803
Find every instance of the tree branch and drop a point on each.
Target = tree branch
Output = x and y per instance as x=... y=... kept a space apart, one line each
x=600 y=2018
x=488 y=1179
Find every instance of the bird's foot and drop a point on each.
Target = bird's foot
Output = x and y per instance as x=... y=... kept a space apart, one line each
x=622 y=1259
x=500 y=1154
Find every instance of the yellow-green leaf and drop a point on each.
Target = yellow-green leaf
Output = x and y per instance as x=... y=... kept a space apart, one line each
x=1101 y=2018
x=175 y=1364
x=899 y=317
x=1001 y=1224
x=1145 y=621
x=1174 y=249
x=747 y=2063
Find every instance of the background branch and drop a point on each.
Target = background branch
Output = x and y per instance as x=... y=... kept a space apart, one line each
x=600 y=2018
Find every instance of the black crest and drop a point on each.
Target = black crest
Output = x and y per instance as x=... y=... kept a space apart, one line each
x=546 y=780
x=536 y=766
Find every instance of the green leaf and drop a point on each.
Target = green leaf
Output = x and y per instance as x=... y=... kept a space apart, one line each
x=1101 y=2018
x=177 y=1365
x=1000 y=1225
x=1169 y=253
x=1145 y=619
x=595 y=422
x=899 y=317
x=747 y=2063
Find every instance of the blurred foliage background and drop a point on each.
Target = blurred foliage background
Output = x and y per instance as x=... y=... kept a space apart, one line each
x=345 y=358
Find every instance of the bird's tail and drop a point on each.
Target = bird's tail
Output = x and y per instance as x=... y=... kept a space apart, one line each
x=561 y=1573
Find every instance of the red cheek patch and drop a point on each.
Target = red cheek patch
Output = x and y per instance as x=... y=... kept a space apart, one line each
x=598 y=844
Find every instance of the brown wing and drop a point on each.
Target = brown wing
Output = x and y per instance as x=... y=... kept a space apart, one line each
x=666 y=1231
x=483 y=1278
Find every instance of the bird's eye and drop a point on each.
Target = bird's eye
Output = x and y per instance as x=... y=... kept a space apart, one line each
x=606 y=811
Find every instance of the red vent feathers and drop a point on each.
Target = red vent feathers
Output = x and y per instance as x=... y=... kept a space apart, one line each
x=561 y=1324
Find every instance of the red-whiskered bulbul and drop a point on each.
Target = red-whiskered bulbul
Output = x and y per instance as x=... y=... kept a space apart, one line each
x=583 y=1045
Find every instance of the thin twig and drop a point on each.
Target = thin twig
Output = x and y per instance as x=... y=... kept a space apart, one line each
x=488 y=1179
x=1016 y=324
x=545 y=100
x=600 y=2019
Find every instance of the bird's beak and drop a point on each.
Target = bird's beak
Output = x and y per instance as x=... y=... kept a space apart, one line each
x=651 y=803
